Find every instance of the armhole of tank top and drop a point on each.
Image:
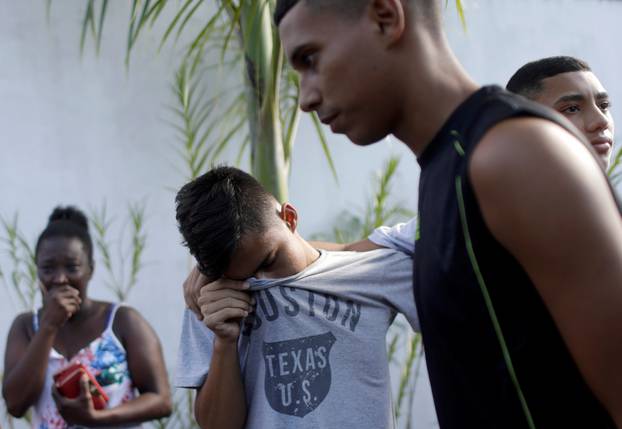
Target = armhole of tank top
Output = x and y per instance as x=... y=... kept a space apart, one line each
x=112 y=313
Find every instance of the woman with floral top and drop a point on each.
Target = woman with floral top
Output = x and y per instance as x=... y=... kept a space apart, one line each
x=115 y=344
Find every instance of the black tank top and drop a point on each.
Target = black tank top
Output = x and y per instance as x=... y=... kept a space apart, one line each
x=472 y=385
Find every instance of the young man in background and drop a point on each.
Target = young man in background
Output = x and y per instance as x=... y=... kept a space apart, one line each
x=568 y=86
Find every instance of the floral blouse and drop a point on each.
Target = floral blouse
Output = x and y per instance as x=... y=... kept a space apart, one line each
x=105 y=358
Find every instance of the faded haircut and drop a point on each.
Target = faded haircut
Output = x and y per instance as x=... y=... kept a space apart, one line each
x=354 y=8
x=215 y=210
x=346 y=7
x=527 y=81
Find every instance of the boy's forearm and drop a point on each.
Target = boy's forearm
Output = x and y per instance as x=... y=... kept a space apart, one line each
x=221 y=402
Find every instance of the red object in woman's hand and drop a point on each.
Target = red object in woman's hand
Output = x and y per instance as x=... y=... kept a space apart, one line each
x=67 y=382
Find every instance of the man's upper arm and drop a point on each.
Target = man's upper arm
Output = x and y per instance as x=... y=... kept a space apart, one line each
x=195 y=352
x=17 y=341
x=362 y=246
x=144 y=352
x=544 y=197
x=399 y=237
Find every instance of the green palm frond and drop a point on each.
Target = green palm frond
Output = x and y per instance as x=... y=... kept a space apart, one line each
x=130 y=247
x=156 y=9
x=138 y=18
x=173 y=23
x=48 y=10
x=615 y=170
x=407 y=372
x=353 y=226
x=88 y=22
x=100 y=28
x=461 y=14
x=21 y=280
x=136 y=212
x=460 y=8
x=322 y=137
x=206 y=123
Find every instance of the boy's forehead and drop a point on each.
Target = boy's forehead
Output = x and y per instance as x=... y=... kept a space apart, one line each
x=247 y=256
x=576 y=81
x=251 y=251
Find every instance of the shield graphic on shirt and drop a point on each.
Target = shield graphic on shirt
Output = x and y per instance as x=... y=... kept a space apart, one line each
x=298 y=374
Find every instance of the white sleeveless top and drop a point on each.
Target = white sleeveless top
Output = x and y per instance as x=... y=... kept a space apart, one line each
x=105 y=358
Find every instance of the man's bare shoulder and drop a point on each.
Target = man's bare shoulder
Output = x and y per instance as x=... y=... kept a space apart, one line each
x=525 y=168
x=525 y=146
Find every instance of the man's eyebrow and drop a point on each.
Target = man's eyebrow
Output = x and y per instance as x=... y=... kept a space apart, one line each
x=602 y=96
x=569 y=97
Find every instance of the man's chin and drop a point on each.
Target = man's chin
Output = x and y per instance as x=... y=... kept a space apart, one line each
x=364 y=139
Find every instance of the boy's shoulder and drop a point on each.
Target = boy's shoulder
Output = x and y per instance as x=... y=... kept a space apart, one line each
x=370 y=256
x=345 y=267
x=379 y=260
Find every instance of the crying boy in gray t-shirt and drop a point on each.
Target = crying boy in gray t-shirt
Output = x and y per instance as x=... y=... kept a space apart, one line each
x=311 y=353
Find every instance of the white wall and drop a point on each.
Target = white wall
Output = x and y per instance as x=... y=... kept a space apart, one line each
x=81 y=131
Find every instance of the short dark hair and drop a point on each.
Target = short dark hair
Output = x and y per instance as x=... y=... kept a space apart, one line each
x=428 y=9
x=68 y=222
x=527 y=81
x=346 y=6
x=215 y=210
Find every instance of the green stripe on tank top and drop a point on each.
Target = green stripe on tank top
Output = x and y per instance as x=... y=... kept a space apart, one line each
x=489 y=306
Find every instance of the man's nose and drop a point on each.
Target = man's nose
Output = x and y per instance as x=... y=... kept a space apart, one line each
x=598 y=120
x=310 y=97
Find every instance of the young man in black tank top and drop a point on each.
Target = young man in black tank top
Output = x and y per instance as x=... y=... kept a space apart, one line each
x=518 y=267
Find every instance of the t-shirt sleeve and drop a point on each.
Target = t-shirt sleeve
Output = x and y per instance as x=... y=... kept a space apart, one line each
x=399 y=237
x=398 y=286
x=195 y=352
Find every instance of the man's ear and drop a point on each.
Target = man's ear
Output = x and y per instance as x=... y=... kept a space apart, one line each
x=390 y=18
x=290 y=216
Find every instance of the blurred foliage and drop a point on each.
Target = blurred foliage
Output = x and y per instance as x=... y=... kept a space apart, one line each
x=20 y=277
x=130 y=245
x=615 y=169
x=379 y=210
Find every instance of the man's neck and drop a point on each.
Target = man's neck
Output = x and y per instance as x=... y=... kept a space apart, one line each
x=437 y=85
x=311 y=254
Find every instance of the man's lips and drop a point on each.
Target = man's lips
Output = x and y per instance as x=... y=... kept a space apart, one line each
x=327 y=119
x=602 y=145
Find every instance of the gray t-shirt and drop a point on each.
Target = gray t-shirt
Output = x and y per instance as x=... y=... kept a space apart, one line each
x=313 y=353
